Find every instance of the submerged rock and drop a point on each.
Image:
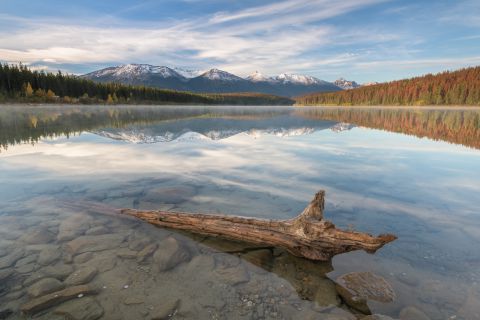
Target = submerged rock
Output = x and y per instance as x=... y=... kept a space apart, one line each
x=94 y=243
x=165 y=309
x=357 y=288
x=59 y=271
x=80 y=309
x=412 y=313
x=83 y=257
x=146 y=252
x=10 y=259
x=4 y=274
x=73 y=226
x=38 y=237
x=81 y=276
x=49 y=255
x=95 y=231
x=44 y=286
x=169 y=254
x=54 y=298
x=380 y=317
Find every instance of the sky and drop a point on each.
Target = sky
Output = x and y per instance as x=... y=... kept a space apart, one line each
x=361 y=40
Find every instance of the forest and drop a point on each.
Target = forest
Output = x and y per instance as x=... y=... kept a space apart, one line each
x=461 y=87
x=455 y=126
x=19 y=84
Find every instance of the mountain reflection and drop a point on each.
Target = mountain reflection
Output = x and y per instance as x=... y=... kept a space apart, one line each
x=151 y=124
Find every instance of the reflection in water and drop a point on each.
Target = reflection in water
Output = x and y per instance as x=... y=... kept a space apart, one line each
x=456 y=126
x=424 y=191
x=29 y=124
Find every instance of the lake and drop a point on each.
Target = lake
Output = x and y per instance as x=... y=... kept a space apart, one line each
x=64 y=170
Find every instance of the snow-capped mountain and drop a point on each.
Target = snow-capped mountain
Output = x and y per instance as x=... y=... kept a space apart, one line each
x=259 y=77
x=211 y=81
x=188 y=73
x=346 y=84
x=219 y=75
x=370 y=83
x=299 y=79
x=135 y=70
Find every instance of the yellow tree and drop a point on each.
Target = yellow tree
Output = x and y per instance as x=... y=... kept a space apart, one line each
x=28 y=90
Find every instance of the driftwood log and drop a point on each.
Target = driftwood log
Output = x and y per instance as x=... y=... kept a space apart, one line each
x=308 y=235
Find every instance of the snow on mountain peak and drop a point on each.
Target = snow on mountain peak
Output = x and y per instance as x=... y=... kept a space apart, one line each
x=346 y=84
x=298 y=79
x=188 y=73
x=259 y=77
x=135 y=70
x=217 y=74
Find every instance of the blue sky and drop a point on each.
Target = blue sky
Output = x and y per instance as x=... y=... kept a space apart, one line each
x=362 y=40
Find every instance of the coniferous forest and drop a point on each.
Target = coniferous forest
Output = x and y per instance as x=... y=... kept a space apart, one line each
x=19 y=84
x=461 y=87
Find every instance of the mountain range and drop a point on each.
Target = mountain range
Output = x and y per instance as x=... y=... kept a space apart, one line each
x=211 y=81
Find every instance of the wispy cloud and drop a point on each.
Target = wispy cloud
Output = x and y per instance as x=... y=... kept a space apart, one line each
x=291 y=35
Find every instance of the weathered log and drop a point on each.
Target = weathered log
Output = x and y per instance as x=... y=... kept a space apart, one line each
x=308 y=235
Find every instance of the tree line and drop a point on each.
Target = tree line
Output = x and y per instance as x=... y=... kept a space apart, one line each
x=20 y=84
x=461 y=87
x=456 y=126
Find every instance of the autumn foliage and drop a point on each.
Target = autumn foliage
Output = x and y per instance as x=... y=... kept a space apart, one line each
x=461 y=87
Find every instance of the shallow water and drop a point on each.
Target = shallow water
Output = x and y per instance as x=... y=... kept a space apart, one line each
x=64 y=169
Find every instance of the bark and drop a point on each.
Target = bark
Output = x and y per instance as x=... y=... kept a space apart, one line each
x=308 y=235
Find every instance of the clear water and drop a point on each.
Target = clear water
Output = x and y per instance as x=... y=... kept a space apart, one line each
x=84 y=162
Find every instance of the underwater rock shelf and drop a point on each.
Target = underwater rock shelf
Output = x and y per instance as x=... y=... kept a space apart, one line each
x=308 y=235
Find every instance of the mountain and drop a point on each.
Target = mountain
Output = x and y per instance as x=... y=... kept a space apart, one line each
x=217 y=128
x=211 y=81
x=346 y=84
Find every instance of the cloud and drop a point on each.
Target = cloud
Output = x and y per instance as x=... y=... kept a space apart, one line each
x=263 y=37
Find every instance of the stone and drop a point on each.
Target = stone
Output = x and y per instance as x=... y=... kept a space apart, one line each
x=83 y=257
x=28 y=259
x=38 y=237
x=166 y=309
x=146 y=252
x=169 y=254
x=408 y=279
x=48 y=256
x=5 y=313
x=59 y=271
x=95 y=231
x=357 y=288
x=39 y=275
x=80 y=309
x=206 y=263
x=138 y=244
x=126 y=253
x=412 y=313
x=73 y=226
x=10 y=259
x=132 y=300
x=26 y=268
x=94 y=243
x=262 y=258
x=81 y=276
x=103 y=264
x=54 y=298
x=44 y=286
x=379 y=317
x=5 y=274
x=233 y=275
x=326 y=294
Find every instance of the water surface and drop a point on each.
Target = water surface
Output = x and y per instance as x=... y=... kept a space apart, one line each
x=410 y=172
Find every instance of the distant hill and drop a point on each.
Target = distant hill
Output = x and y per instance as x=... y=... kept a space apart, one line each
x=461 y=87
x=210 y=81
x=20 y=84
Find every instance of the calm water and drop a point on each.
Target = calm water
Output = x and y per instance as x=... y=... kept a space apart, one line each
x=64 y=169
